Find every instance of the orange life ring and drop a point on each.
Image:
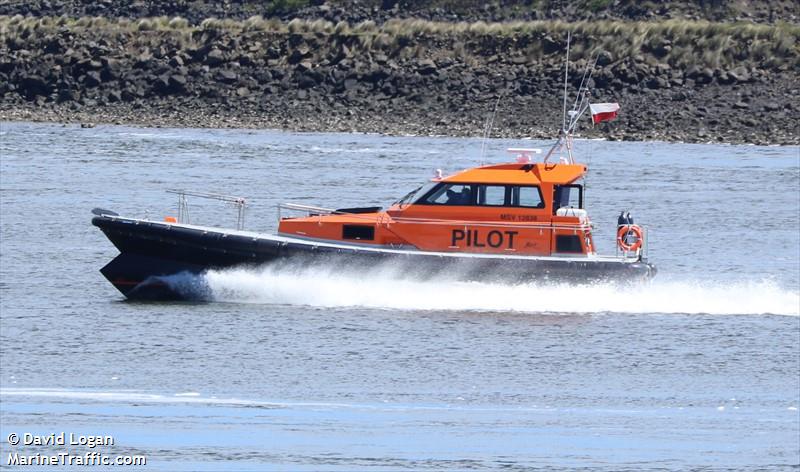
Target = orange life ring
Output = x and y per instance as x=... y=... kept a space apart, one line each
x=622 y=234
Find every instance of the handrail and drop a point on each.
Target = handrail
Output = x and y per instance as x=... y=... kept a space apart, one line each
x=645 y=253
x=183 y=204
x=301 y=207
x=318 y=211
x=578 y=227
x=214 y=196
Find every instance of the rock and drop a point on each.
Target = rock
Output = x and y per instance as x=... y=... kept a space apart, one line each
x=34 y=85
x=161 y=84
x=664 y=69
x=623 y=73
x=679 y=96
x=657 y=83
x=247 y=60
x=740 y=74
x=741 y=105
x=604 y=58
x=93 y=79
x=214 y=57
x=704 y=76
x=306 y=81
x=114 y=96
x=177 y=82
x=771 y=106
x=298 y=55
x=67 y=95
x=643 y=69
x=726 y=78
x=144 y=60
x=426 y=67
x=550 y=45
x=662 y=50
x=304 y=66
x=227 y=76
x=388 y=89
x=350 y=84
x=376 y=75
x=107 y=74
x=136 y=89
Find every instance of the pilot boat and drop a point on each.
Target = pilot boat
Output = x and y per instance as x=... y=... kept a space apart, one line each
x=514 y=222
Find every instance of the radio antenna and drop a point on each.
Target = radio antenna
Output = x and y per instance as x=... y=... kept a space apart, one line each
x=488 y=128
x=566 y=77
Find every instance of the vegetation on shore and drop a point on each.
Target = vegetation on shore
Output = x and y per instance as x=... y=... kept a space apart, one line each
x=354 y=11
x=678 y=43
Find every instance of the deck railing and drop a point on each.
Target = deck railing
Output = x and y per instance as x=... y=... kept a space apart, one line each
x=183 y=205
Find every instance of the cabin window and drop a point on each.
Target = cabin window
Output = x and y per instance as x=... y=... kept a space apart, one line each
x=524 y=196
x=492 y=195
x=359 y=232
x=417 y=193
x=528 y=197
x=568 y=243
x=569 y=196
x=449 y=194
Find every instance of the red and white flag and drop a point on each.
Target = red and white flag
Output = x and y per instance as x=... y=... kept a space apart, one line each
x=603 y=111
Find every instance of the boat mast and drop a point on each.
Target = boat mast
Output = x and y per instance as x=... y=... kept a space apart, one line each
x=562 y=134
x=487 y=130
x=566 y=76
x=578 y=109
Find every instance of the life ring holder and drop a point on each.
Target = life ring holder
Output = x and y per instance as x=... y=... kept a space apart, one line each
x=622 y=236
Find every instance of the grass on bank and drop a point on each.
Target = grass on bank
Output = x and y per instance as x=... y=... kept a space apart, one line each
x=679 y=43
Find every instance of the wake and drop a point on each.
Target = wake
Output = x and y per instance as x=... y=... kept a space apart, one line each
x=386 y=288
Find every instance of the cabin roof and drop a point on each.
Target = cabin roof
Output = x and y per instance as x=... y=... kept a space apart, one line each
x=520 y=174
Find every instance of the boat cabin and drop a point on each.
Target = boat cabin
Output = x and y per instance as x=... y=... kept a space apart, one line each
x=519 y=208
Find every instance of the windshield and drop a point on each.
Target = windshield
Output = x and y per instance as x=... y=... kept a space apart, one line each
x=416 y=193
x=570 y=196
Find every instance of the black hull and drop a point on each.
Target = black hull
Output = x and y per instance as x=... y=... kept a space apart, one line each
x=153 y=251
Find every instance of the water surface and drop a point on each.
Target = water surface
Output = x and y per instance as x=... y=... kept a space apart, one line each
x=295 y=369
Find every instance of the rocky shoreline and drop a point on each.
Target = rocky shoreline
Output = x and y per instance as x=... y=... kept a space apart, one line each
x=379 y=11
x=405 y=121
x=366 y=78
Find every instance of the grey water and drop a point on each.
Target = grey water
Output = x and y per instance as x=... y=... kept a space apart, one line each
x=294 y=369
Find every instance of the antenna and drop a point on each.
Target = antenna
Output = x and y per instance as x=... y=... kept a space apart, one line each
x=566 y=77
x=488 y=128
x=585 y=80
